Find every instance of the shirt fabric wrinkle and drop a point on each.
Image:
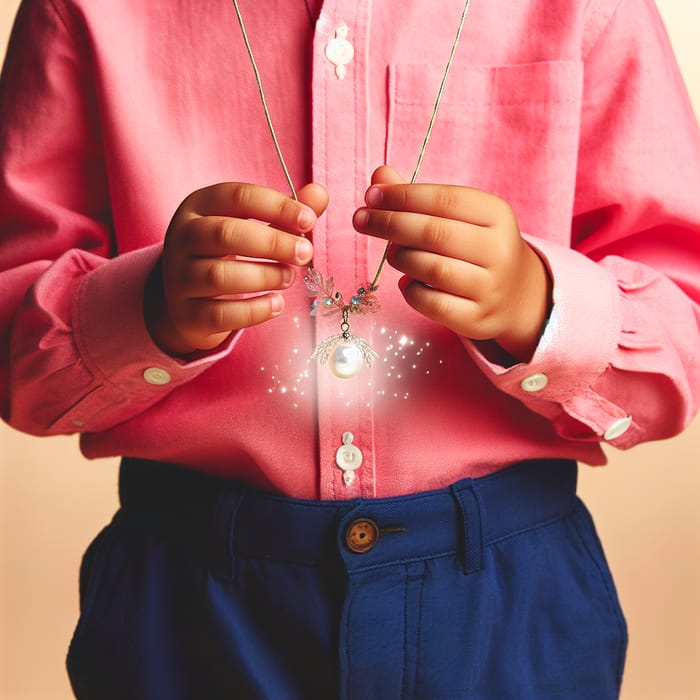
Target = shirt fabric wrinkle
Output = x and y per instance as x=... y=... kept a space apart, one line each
x=518 y=119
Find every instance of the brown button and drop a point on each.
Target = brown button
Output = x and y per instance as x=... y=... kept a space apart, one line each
x=361 y=536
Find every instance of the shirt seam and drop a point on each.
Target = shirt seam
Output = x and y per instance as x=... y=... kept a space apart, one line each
x=605 y=24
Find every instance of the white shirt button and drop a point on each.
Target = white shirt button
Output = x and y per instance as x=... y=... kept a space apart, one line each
x=535 y=382
x=156 y=375
x=618 y=428
x=339 y=51
x=348 y=457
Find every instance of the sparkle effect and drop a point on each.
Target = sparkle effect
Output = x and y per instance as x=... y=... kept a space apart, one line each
x=401 y=362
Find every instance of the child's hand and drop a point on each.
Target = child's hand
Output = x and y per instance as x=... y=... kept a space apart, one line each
x=224 y=242
x=465 y=263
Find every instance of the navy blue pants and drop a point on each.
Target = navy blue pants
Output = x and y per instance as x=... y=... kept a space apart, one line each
x=495 y=588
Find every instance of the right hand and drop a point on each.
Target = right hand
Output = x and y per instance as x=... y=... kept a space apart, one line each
x=224 y=243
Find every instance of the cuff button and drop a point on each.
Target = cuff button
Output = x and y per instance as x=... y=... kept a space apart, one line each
x=156 y=376
x=618 y=428
x=535 y=382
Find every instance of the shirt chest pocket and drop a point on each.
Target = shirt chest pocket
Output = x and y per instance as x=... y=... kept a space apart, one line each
x=512 y=130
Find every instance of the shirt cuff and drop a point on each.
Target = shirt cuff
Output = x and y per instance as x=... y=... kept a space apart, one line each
x=111 y=334
x=576 y=346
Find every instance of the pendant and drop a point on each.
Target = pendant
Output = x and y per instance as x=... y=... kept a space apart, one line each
x=344 y=353
x=345 y=360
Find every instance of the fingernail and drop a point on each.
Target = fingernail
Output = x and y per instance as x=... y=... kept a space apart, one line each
x=303 y=249
x=306 y=219
x=287 y=276
x=373 y=197
x=361 y=218
x=276 y=304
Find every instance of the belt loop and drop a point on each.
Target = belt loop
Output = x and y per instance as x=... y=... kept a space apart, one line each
x=472 y=544
x=223 y=532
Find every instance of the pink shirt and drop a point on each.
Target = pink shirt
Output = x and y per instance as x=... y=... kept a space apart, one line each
x=112 y=112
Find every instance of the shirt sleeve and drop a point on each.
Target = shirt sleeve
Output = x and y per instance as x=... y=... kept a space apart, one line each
x=618 y=359
x=76 y=354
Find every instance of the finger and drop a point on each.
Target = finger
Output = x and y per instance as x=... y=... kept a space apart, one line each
x=447 y=201
x=462 y=315
x=219 y=236
x=445 y=274
x=314 y=196
x=211 y=317
x=249 y=201
x=212 y=277
x=386 y=175
x=435 y=234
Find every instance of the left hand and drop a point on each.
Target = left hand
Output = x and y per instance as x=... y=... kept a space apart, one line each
x=464 y=261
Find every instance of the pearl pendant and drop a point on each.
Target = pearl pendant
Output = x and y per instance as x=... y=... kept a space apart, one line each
x=345 y=360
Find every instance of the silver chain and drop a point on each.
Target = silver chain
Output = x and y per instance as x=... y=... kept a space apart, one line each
x=428 y=132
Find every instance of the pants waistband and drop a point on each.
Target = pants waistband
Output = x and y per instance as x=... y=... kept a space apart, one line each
x=366 y=533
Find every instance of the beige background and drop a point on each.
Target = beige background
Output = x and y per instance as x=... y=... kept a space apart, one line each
x=645 y=504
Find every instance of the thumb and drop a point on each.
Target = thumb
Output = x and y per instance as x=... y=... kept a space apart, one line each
x=314 y=196
x=386 y=175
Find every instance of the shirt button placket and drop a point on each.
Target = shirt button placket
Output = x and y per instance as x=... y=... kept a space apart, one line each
x=341 y=162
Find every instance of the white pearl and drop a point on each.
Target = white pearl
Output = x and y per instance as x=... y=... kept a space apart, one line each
x=345 y=360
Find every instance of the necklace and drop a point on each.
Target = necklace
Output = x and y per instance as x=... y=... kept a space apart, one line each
x=345 y=353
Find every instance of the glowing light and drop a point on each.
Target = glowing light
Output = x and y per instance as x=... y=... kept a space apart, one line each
x=403 y=340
